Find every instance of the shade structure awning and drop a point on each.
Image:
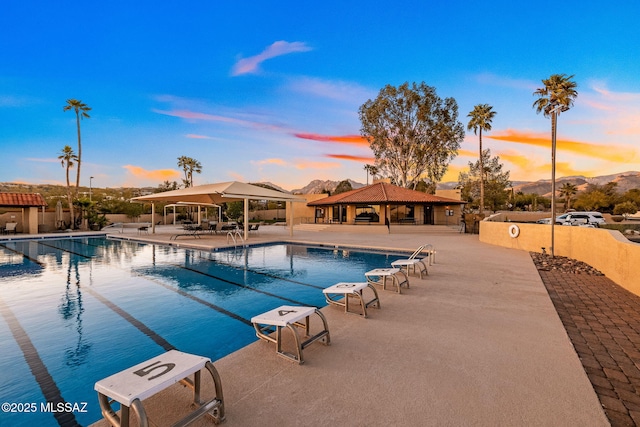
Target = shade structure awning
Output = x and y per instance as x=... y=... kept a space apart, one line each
x=219 y=193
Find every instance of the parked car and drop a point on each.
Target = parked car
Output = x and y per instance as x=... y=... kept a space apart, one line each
x=592 y=219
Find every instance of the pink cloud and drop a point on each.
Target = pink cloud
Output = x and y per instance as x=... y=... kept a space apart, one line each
x=194 y=136
x=343 y=139
x=194 y=115
x=362 y=159
x=272 y=161
x=279 y=48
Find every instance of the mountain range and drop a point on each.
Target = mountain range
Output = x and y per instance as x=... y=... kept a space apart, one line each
x=625 y=181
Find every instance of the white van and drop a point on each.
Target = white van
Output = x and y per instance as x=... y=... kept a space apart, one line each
x=581 y=218
x=592 y=219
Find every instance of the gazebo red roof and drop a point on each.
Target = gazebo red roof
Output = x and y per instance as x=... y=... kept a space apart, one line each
x=22 y=200
x=384 y=193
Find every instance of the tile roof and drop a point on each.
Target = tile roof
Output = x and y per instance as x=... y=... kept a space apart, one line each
x=21 y=200
x=382 y=192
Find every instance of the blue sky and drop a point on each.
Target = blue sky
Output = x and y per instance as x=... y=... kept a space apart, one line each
x=269 y=91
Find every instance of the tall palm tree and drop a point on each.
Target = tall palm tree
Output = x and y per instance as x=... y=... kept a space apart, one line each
x=555 y=97
x=189 y=166
x=81 y=112
x=67 y=158
x=371 y=170
x=568 y=190
x=481 y=118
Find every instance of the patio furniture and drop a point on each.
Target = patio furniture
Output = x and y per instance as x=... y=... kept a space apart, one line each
x=131 y=386
x=379 y=276
x=10 y=227
x=349 y=291
x=290 y=317
x=190 y=230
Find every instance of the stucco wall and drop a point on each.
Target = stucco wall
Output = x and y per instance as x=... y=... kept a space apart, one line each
x=607 y=250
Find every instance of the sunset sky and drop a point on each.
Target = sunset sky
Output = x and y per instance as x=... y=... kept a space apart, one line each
x=270 y=91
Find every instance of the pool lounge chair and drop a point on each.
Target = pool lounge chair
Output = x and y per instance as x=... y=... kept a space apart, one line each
x=10 y=227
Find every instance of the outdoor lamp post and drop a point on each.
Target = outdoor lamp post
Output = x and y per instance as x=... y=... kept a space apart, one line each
x=554 y=117
x=90 y=179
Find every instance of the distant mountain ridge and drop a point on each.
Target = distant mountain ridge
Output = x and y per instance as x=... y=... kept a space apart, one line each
x=625 y=180
x=317 y=186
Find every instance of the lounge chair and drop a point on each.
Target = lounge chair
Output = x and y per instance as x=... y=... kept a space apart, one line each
x=414 y=263
x=10 y=227
x=253 y=227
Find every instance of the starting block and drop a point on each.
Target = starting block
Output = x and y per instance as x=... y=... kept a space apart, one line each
x=287 y=317
x=131 y=386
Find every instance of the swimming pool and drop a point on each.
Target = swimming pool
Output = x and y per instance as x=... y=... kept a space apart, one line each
x=77 y=310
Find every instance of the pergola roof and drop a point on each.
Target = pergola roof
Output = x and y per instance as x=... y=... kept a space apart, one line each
x=22 y=200
x=218 y=193
x=384 y=193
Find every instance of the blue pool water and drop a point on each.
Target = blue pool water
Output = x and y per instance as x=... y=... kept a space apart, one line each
x=73 y=311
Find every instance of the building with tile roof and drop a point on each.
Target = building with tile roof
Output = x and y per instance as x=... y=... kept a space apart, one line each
x=23 y=209
x=385 y=203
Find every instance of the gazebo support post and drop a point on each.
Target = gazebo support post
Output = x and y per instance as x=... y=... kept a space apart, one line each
x=246 y=219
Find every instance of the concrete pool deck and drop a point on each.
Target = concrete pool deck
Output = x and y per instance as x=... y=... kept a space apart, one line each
x=476 y=342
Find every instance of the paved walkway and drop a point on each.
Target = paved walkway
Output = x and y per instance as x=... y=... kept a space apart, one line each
x=602 y=320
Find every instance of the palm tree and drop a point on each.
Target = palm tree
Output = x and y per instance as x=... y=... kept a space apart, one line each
x=67 y=158
x=189 y=166
x=556 y=96
x=81 y=111
x=481 y=118
x=568 y=190
x=371 y=170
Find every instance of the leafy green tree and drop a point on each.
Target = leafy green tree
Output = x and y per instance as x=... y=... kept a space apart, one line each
x=133 y=210
x=80 y=109
x=632 y=195
x=595 y=200
x=496 y=185
x=568 y=190
x=343 y=187
x=598 y=198
x=167 y=186
x=481 y=118
x=234 y=210
x=556 y=96
x=426 y=187
x=625 y=209
x=189 y=166
x=68 y=158
x=413 y=133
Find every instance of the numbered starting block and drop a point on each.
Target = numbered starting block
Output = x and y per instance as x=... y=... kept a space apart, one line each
x=131 y=386
x=287 y=317
x=379 y=277
x=348 y=291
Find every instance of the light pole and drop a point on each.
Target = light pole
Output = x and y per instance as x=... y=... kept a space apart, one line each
x=554 y=124
x=90 y=179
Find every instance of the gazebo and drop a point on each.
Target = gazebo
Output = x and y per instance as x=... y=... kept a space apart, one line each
x=221 y=193
x=28 y=203
x=384 y=203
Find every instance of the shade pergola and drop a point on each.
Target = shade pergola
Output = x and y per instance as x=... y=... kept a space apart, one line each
x=189 y=204
x=222 y=193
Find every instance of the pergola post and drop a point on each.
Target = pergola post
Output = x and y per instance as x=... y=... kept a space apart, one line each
x=290 y=218
x=245 y=225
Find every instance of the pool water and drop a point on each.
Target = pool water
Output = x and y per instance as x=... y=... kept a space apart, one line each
x=73 y=311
